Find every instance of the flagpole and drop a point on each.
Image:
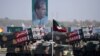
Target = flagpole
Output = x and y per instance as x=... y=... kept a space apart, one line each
x=52 y=38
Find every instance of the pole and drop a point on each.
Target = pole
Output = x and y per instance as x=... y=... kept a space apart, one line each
x=52 y=38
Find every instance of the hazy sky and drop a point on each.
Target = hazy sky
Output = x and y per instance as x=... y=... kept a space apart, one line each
x=62 y=10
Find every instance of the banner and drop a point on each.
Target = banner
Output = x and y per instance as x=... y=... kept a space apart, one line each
x=21 y=39
x=14 y=29
x=21 y=33
x=39 y=12
x=76 y=35
x=24 y=35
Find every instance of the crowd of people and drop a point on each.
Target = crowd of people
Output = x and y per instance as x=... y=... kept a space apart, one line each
x=43 y=48
x=31 y=48
x=89 y=49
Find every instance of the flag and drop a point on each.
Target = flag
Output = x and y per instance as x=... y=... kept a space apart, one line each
x=58 y=27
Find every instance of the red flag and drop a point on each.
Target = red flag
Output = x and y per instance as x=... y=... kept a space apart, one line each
x=58 y=27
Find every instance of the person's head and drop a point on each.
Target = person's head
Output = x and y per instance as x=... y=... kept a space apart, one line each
x=40 y=8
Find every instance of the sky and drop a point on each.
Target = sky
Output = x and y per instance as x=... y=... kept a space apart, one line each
x=61 y=10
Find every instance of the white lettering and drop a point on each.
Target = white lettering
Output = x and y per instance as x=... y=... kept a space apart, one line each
x=21 y=39
x=21 y=33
